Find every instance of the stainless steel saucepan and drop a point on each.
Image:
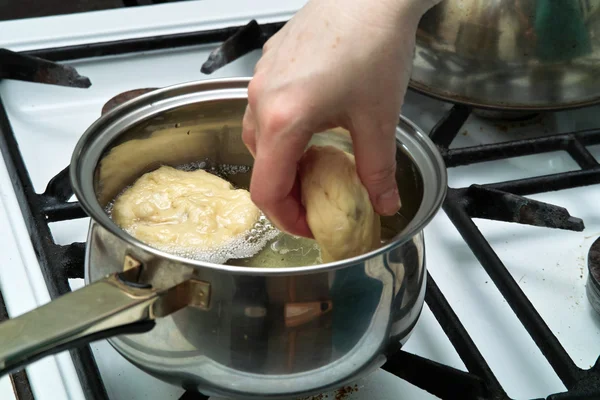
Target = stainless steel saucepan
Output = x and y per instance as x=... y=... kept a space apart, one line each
x=240 y=332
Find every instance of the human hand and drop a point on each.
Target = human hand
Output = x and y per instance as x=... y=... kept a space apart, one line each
x=335 y=63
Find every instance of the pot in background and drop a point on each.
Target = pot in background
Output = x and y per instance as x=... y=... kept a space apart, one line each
x=510 y=54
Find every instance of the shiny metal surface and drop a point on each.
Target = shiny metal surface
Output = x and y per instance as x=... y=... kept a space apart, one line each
x=510 y=54
x=269 y=332
x=109 y=303
x=276 y=336
x=233 y=331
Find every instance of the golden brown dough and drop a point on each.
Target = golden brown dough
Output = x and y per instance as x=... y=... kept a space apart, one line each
x=338 y=208
x=173 y=209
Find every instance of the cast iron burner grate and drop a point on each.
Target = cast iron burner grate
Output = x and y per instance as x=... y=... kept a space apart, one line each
x=19 y=380
x=59 y=263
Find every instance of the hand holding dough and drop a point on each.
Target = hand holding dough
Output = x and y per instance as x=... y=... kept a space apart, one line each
x=338 y=209
x=184 y=210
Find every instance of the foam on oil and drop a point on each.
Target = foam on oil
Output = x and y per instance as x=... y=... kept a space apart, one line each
x=243 y=246
x=283 y=251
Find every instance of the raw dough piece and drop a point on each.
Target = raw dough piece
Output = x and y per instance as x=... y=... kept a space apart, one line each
x=184 y=210
x=338 y=209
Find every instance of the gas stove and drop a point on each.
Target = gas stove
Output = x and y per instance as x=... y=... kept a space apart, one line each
x=506 y=315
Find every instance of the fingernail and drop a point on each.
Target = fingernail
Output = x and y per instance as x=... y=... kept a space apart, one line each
x=389 y=202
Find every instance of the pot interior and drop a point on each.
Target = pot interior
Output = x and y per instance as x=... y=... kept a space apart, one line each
x=209 y=135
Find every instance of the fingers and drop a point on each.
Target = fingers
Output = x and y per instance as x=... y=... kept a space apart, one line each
x=249 y=131
x=270 y=133
x=274 y=186
x=375 y=152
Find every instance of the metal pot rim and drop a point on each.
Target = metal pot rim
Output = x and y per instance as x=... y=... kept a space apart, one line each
x=100 y=134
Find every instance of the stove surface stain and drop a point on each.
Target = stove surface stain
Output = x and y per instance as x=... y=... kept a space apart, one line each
x=345 y=391
x=340 y=394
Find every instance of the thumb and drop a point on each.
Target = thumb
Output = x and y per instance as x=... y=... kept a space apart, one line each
x=375 y=153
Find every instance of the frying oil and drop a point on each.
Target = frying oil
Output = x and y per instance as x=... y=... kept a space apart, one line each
x=264 y=246
x=283 y=251
x=292 y=251
x=280 y=250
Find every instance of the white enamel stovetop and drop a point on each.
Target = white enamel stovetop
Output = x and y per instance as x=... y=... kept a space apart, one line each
x=548 y=264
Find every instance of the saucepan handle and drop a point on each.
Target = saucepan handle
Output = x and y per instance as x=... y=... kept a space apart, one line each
x=109 y=307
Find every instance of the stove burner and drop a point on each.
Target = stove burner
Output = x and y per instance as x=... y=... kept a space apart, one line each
x=59 y=263
x=593 y=281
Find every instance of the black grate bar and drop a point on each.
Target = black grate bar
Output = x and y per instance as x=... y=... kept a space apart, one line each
x=19 y=380
x=46 y=249
x=39 y=231
x=192 y=395
x=459 y=337
x=581 y=155
x=549 y=183
x=137 y=3
x=21 y=385
x=575 y=396
x=56 y=211
x=72 y=257
x=451 y=383
x=444 y=132
x=549 y=345
x=54 y=201
x=588 y=137
x=59 y=187
x=572 y=142
x=500 y=151
x=486 y=203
